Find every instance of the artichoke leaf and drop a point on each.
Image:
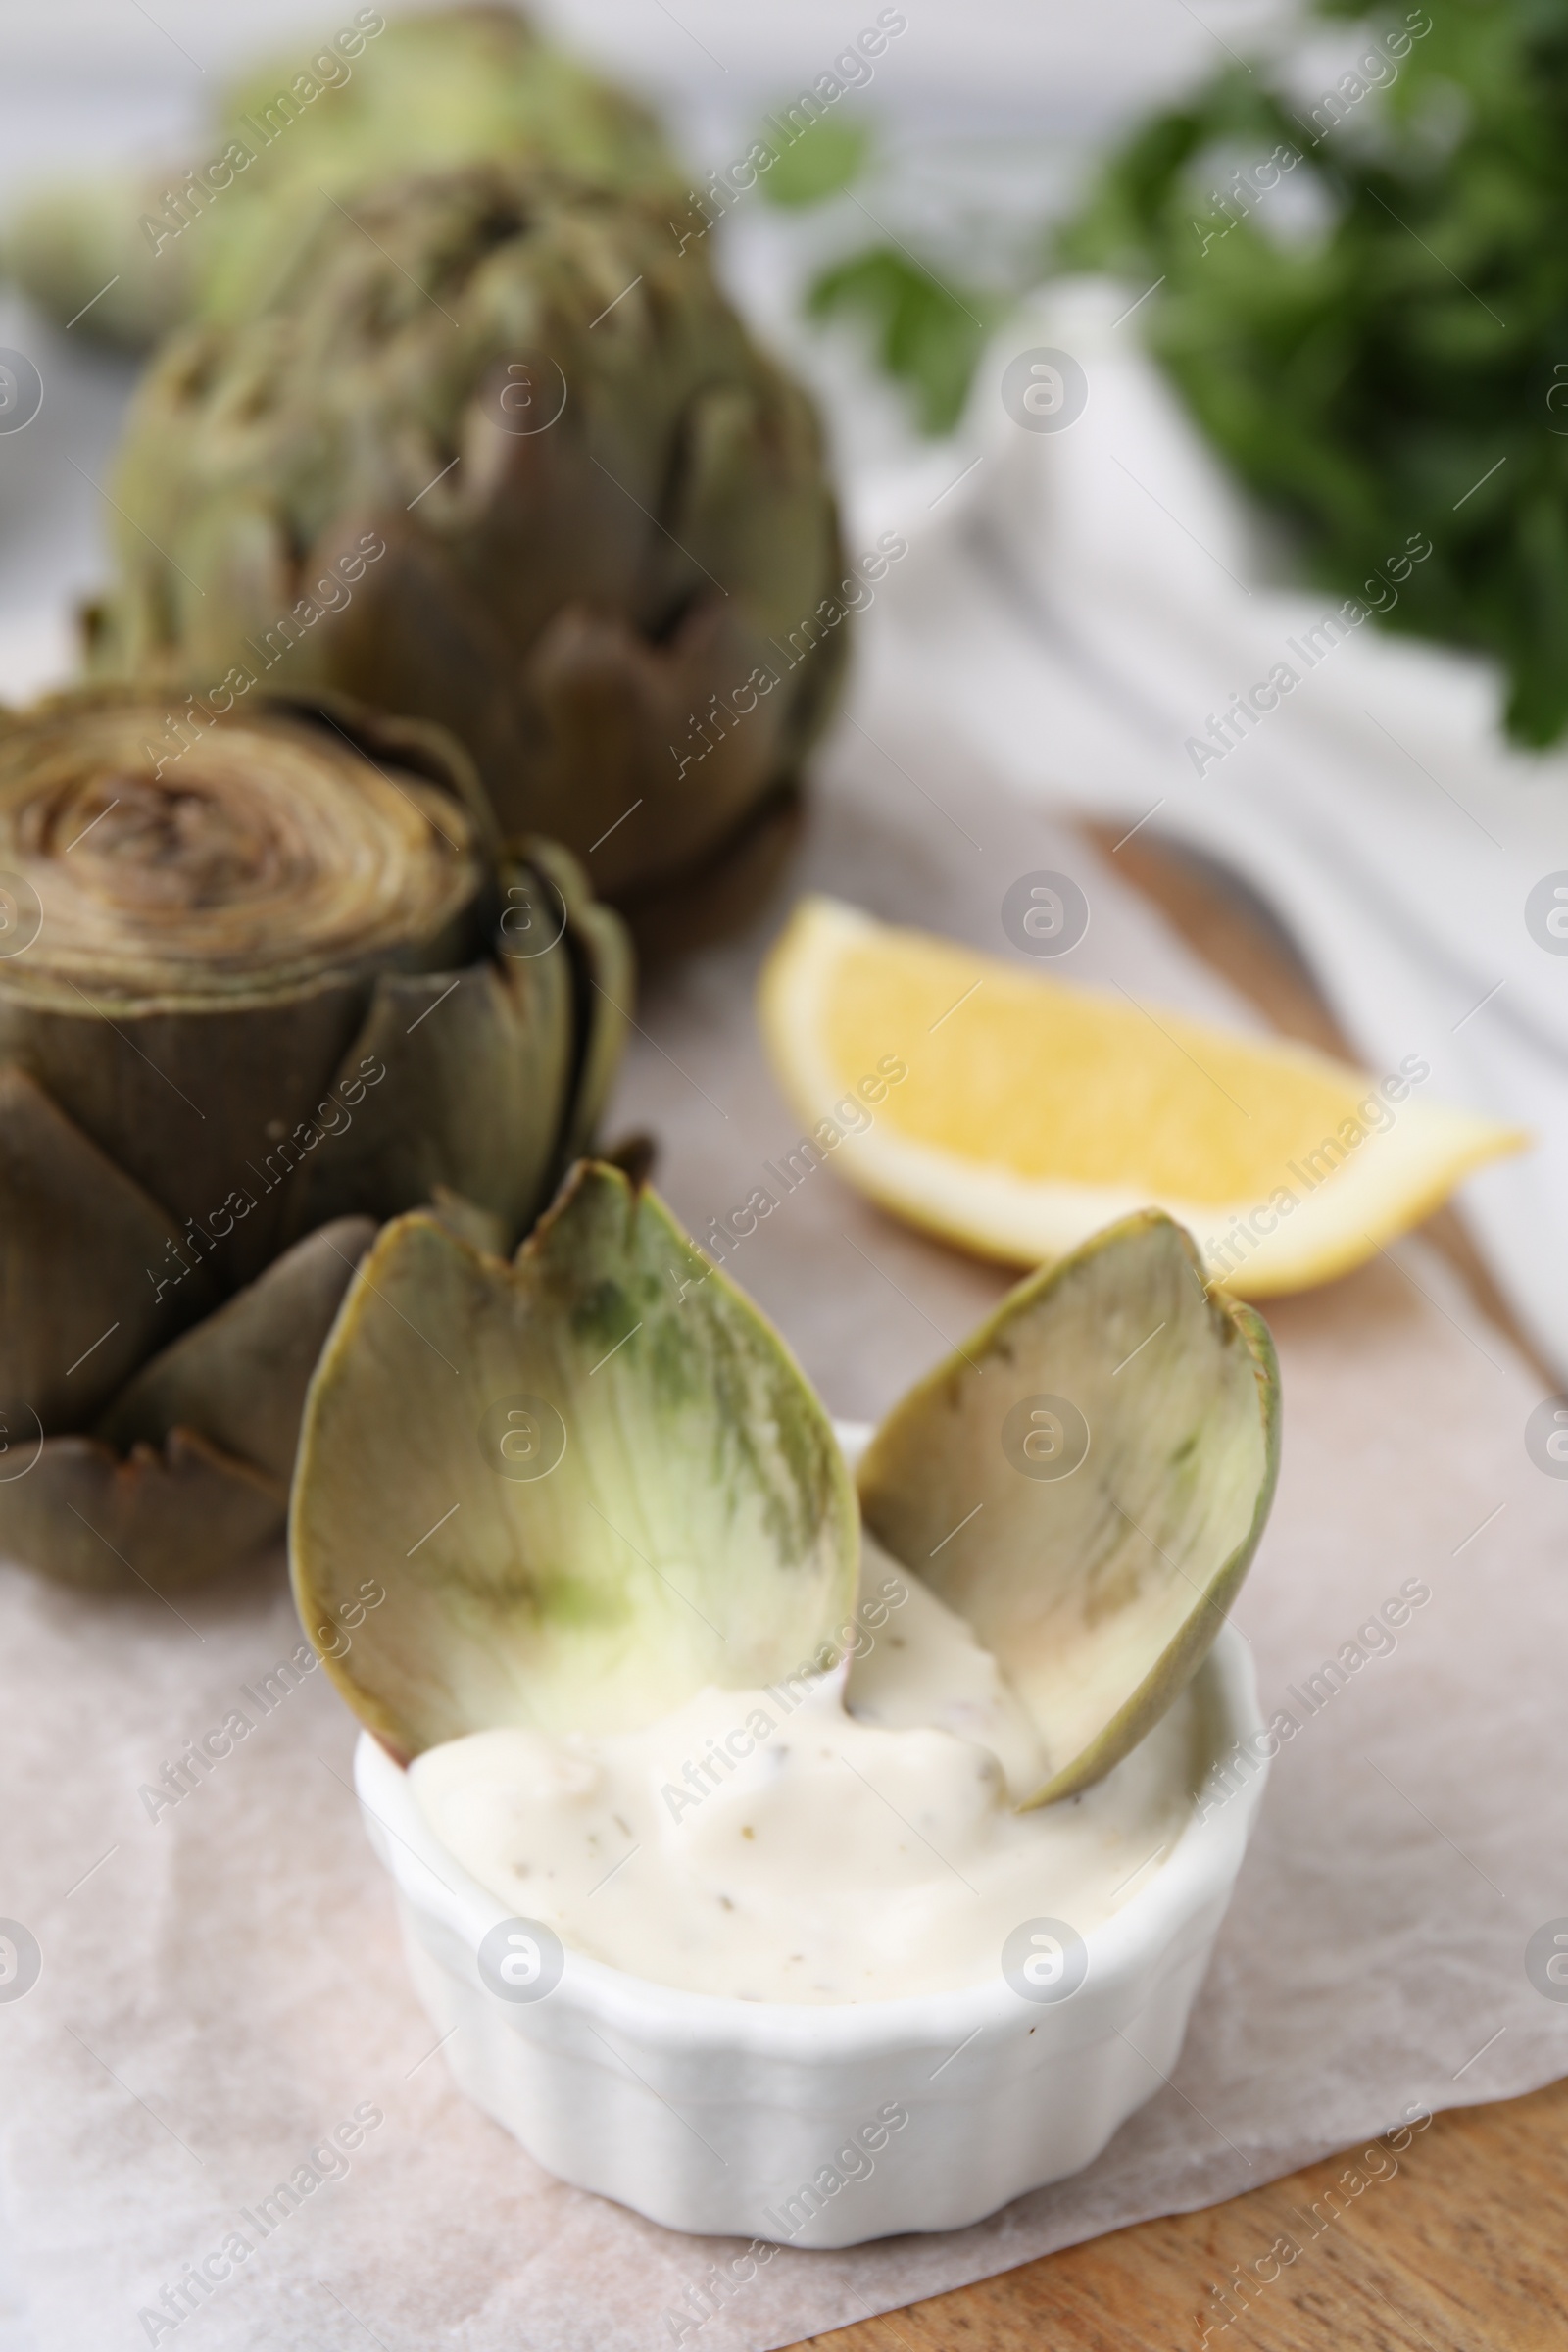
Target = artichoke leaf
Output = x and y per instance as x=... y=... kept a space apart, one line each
x=605 y=971
x=156 y=1519
x=1086 y=1482
x=752 y=500
x=418 y=639
x=614 y=706
x=241 y=546
x=415 y=747
x=174 y=1096
x=480 y=1228
x=93 y=1271
x=601 y=1479
x=555 y=492
x=239 y=1379
x=475 y=1069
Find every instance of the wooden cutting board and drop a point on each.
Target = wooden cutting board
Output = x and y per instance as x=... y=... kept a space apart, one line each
x=1466 y=2248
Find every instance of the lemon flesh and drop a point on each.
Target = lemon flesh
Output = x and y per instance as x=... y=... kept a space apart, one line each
x=1031 y=1112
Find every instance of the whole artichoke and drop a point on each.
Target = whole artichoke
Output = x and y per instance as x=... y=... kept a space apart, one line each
x=265 y=981
x=424 y=92
x=610 y=549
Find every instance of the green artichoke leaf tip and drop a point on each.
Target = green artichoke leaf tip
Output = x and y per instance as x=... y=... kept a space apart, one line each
x=1086 y=1482
x=589 y=1482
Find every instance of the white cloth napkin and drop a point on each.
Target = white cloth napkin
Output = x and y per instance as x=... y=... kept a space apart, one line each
x=1077 y=605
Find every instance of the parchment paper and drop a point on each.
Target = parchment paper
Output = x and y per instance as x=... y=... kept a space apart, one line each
x=222 y=1986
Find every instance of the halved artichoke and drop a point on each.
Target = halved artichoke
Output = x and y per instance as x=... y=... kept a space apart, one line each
x=264 y=980
x=592 y=1481
x=147 y=251
x=1086 y=1481
x=602 y=547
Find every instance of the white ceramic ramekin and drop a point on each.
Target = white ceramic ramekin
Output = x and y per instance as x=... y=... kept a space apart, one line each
x=779 y=2121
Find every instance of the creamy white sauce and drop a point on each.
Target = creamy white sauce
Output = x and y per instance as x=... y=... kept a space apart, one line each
x=782 y=1846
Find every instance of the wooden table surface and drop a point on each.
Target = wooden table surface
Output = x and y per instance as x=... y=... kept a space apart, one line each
x=1466 y=2248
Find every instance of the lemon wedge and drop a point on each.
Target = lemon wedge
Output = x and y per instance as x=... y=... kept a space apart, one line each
x=1016 y=1114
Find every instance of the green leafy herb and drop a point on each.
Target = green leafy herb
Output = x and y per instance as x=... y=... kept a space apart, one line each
x=928 y=337
x=821 y=162
x=1364 y=303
